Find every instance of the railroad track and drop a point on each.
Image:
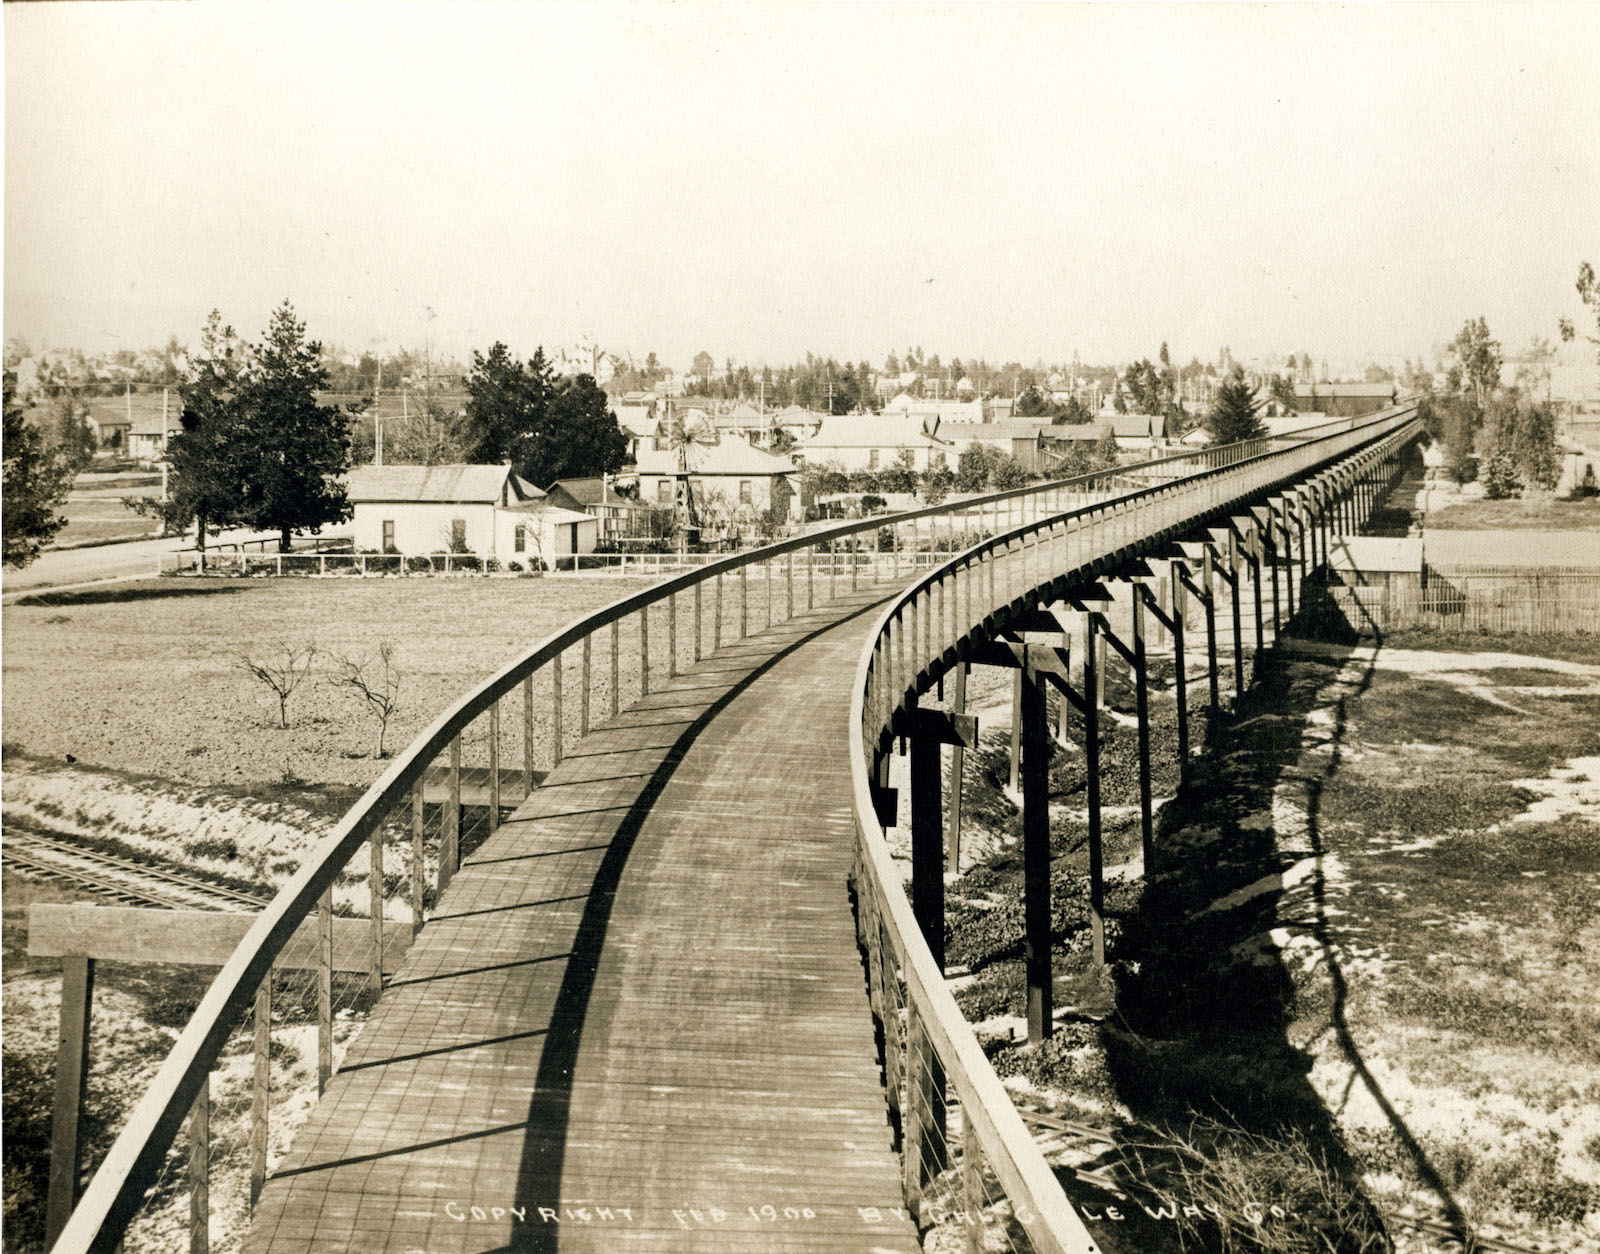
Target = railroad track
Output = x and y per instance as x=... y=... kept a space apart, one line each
x=121 y=879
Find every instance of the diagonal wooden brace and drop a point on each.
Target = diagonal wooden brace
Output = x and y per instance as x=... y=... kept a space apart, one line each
x=945 y=727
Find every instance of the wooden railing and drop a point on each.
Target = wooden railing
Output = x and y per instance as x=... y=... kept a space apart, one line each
x=461 y=760
x=933 y=1062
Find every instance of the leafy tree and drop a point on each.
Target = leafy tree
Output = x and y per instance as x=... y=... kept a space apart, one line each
x=1119 y=401
x=1453 y=420
x=36 y=481
x=1033 y=404
x=1006 y=472
x=704 y=364
x=74 y=441
x=1234 y=414
x=1105 y=448
x=582 y=440
x=1534 y=445
x=1379 y=374
x=298 y=450
x=1589 y=294
x=900 y=477
x=891 y=365
x=1478 y=358
x=1283 y=393
x=431 y=436
x=973 y=468
x=1073 y=413
x=935 y=484
x=1417 y=378
x=1144 y=387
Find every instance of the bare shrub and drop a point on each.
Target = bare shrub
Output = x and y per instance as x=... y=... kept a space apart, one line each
x=376 y=680
x=281 y=669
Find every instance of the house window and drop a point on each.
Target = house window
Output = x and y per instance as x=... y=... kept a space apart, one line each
x=458 y=535
x=388 y=535
x=664 y=491
x=872 y=459
x=519 y=539
x=744 y=492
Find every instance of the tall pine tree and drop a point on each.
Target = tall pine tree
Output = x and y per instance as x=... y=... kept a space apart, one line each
x=1233 y=416
x=298 y=451
x=547 y=429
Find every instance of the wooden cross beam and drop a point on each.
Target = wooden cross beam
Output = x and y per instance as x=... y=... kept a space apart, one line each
x=945 y=727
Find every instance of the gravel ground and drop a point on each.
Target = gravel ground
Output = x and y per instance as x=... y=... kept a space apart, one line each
x=145 y=677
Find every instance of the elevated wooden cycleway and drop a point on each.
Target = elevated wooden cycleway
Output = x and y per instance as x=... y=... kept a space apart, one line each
x=638 y=1017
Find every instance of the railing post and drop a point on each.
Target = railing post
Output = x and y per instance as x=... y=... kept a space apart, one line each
x=324 y=991
x=972 y=1186
x=744 y=600
x=644 y=652
x=418 y=869
x=1234 y=579
x=1013 y=780
x=450 y=820
x=716 y=634
x=72 y=1071
x=375 y=893
x=672 y=636
x=200 y=1170
x=616 y=679
x=557 y=722
x=494 y=766
x=788 y=601
x=811 y=577
x=583 y=692
x=768 y=581
x=699 y=614
x=261 y=1089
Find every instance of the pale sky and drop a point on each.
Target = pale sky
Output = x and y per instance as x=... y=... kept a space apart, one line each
x=1011 y=181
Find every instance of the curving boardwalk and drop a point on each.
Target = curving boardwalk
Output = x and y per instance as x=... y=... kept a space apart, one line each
x=638 y=1018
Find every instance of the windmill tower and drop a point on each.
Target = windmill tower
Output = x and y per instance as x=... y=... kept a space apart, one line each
x=681 y=438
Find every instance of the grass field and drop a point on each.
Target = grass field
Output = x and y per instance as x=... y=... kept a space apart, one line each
x=1540 y=513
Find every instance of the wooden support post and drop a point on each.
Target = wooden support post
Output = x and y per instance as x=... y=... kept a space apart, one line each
x=1036 y=855
x=1210 y=603
x=672 y=635
x=833 y=568
x=788 y=581
x=1091 y=756
x=527 y=730
x=375 y=906
x=324 y=991
x=927 y=862
x=1254 y=558
x=1238 y=619
x=583 y=691
x=72 y=1072
x=1016 y=730
x=417 y=867
x=261 y=1089
x=644 y=652
x=494 y=766
x=744 y=600
x=200 y=1170
x=1272 y=551
x=767 y=581
x=616 y=665
x=1180 y=674
x=952 y=822
x=1141 y=684
x=699 y=615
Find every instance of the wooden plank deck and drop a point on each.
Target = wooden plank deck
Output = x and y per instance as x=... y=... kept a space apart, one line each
x=638 y=1019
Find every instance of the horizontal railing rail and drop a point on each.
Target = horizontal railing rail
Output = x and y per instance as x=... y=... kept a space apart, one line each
x=918 y=637
x=328 y=881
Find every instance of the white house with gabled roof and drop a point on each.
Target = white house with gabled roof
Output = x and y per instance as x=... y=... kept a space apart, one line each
x=487 y=510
